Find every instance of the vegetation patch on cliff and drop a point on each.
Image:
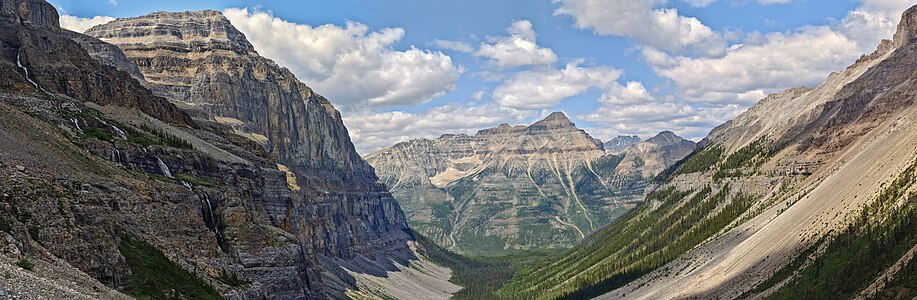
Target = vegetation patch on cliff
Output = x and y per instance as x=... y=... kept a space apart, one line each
x=154 y=276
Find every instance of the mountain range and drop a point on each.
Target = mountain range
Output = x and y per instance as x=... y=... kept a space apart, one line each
x=512 y=188
x=161 y=157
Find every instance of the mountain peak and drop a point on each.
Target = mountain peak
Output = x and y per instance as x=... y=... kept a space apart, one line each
x=558 y=116
x=665 y=137
x=189 y=28
x=555 y=120
x=907 y=28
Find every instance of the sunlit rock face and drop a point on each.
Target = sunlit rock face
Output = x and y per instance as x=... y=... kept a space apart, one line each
x=512 y=188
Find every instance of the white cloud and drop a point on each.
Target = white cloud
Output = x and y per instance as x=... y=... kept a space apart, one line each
x=632 y=93
x=767 y=63
x=545 y=88
x=644 y=21
x=371 y=131
x=351 y=65
x=453 y=45
x=80 y=25
x=778 y=61
x=517 y=49
x=478 y=95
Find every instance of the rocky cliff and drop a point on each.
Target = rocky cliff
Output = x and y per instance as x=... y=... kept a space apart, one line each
x=513 y=188
x=200 y=61
x=92 y=162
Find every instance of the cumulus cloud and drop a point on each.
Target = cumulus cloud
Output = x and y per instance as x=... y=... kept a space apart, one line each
x=80 y=25
x=519 y=48
x=632 y=93
x=351 y=65
x=772 y=62
x=544 y=88
x=644 y=21
x=372 y=131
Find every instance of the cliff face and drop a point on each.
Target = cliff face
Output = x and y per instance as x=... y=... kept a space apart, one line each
x=512 y=188
x=32 y=38
x=90 y=158
x=200 y=61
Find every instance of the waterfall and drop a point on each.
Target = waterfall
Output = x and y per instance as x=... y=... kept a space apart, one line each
x=77 y=124
x=187 y=185
x=26 y=71
x=118 y=132
x=164 y=168
x=213 y=218
x=115 y=155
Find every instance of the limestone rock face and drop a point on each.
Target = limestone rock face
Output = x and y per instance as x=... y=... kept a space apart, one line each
x=512 y=188
x=33 y=13
x=33 y=43
x=619 y=143
x=206 y=66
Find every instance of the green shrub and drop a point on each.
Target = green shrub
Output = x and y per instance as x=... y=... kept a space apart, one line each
x=152 y=136
x=25 y=264
x=98 y=134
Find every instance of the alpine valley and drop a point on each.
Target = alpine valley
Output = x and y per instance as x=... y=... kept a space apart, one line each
x=162 y=157
x=512 y=188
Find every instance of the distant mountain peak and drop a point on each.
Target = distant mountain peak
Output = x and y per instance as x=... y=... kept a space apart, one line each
x=665 y=137
x=621 y=143
x=555 y=120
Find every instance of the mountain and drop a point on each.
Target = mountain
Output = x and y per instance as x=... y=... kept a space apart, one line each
x=808 y=194
x=200 y=61
x=621 y=142
x=109 y=188
x=512 y=188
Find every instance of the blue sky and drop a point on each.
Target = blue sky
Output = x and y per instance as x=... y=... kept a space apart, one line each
x=427 y=68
